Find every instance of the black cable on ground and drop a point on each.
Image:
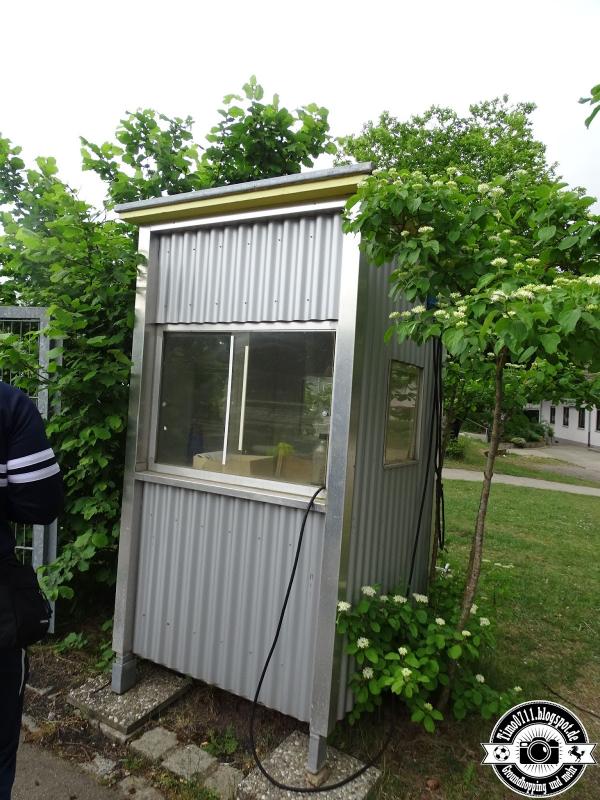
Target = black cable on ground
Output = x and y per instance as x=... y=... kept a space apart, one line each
x=259 y=764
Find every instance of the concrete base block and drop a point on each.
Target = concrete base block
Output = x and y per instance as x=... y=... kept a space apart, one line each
x=156 y=689
x=139 y=789
x=287 y=764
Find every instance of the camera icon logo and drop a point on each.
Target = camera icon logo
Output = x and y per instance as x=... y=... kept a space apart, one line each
x=539 y=750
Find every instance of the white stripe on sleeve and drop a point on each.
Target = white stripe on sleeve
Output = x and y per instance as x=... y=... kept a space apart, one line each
x=2 y=469
x=27 y=461
x=3 y=482
x=36 y=475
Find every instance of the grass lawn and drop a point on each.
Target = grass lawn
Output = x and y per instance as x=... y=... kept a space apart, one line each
x=545 y=609
x=548 y=469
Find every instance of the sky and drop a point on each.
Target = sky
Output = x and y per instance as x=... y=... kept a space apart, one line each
x=73 y=68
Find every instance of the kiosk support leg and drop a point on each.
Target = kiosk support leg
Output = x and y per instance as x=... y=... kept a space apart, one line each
x=317 y=753
x=124 y=671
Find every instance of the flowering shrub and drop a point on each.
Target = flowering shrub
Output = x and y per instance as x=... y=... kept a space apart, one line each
x=405 y=646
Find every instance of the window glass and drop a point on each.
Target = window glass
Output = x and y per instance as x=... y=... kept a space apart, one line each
x=566 y=416
x=598 y=419
x=581 y=417
x=552 y=415
x=258 y=404
x=402 y=415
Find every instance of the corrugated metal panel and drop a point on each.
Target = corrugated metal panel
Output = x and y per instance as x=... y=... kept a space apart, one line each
x=212 y=577
x=386 y=501
x=276 y=270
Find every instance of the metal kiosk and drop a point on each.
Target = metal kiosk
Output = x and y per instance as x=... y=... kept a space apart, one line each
x=260 y=373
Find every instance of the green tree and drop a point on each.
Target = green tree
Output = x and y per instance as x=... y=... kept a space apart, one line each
x=156 y=154
x=513 y=265
x=494 y=138
x=56 y=251
x=593 y=100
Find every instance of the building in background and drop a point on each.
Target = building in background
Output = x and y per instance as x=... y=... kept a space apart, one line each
x=570 y=423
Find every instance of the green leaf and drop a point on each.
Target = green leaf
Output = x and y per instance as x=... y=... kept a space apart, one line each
x=550 y=342
x=455 y=651
x=371 y=654
x=546 y=233
x=429 y=724
x=569 y=319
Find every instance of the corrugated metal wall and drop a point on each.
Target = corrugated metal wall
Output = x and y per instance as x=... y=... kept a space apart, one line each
x=277 y=270
x=212 y=576
x=385 y=501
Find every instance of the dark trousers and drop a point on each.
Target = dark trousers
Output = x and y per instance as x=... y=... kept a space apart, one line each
x=14 y=669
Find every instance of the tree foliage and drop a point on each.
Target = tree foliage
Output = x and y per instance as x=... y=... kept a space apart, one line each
x=57 y=251
x=506 y=271
x=155 y=154
x=593 y=100
x=494 y=138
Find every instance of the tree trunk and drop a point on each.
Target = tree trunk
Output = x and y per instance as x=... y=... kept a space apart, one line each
x=474 y=569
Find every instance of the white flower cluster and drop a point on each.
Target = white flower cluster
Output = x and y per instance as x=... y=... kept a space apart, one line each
x=474 y=608
x=367 y=673
x=497 y=191
x=455 y=295
x=498 y=296
x=439 y=621
x=362 y=643
x=484 y=621
x=343 y=606
x=499 y=262
x=483 y=188
x=437 y=183
x=403 y=651
x=466 y=634
x=517 y=689
x=384 y=598
x=405 y=233
x=591 y=280
x=479 y=678
x=452 y=184
x=532 y=261
x=406 y=672
x=400 y=599
x=427 y=706
x=420 y=598
x=418 y=310
x=425 y=229
x=368 y=591
x=462 y=324
x=523 y=294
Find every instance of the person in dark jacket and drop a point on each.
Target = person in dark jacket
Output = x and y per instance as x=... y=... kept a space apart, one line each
x=31 y=492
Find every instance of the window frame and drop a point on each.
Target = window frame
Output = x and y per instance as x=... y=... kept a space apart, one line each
x=566 y=416
x=598 y=419
x=580 y=418
x=552 y=415
x=419 y=407
x=215 y=479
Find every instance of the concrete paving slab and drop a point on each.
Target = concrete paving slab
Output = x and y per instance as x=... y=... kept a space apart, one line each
x=43 y=776
x=225 y=781
x=190 y=762
x=139 y=789
x=156 y=689
x=155 y=744
x=287 y=764
x=101 y=767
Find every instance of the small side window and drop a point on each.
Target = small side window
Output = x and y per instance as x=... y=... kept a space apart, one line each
x=401 y=431
x=581 y=417
x=552 y=415
x=565 y=421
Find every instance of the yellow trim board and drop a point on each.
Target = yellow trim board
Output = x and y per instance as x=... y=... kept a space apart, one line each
x=328 y=189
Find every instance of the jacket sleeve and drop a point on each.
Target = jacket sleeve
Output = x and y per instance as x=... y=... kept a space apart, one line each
x=34 y=483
